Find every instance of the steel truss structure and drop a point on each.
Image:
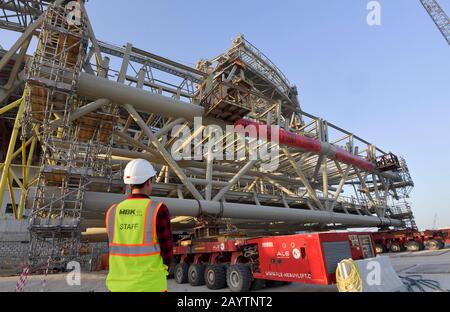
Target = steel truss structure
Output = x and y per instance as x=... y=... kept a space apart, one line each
x=439 y=17
x=90 y=106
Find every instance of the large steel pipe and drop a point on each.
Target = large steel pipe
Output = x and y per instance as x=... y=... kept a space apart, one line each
x=311 y=145
x=100 y=202
x=96 y=204
x=95 y=87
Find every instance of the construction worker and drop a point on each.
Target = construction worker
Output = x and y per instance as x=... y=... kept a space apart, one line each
x=139 y=235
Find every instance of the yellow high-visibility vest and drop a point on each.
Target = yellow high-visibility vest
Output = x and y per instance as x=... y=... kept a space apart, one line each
x=135 y=262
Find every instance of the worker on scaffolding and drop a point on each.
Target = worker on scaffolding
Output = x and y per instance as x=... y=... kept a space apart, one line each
x=140 y=236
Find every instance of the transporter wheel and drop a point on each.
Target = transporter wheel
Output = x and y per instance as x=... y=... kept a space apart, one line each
x=396 y=247
x=216 y=276
x=441 y=244
x=196 y=275
x=239 y=278
x=433 y=244
x=422 y=245
x=380 y=249
x=258 y=284
x=181 y=273
x=414 y=246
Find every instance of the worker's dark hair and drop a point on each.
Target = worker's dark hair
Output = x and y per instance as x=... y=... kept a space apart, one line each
x=140 y=186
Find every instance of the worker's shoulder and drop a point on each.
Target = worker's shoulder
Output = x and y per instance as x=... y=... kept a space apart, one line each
x=162 y=208
x=159 y=203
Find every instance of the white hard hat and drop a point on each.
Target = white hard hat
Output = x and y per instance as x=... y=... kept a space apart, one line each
x=138 y=171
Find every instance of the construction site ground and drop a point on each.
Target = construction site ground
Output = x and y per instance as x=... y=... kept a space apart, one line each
x=433 y=265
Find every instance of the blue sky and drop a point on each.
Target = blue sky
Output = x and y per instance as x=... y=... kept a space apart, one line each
x=389 y=84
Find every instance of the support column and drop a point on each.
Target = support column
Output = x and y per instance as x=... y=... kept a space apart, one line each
x=9 y=155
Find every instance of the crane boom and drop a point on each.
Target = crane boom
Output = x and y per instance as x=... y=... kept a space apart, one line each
x=439 y=17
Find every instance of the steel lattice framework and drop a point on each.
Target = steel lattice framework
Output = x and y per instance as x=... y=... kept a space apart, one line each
x=86 y=118
x=18 y=15
x=440 y=18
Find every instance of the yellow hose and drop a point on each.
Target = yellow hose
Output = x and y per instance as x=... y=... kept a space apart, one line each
x=350 y=279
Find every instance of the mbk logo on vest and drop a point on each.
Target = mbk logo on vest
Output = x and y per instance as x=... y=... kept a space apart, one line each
x=130 y=212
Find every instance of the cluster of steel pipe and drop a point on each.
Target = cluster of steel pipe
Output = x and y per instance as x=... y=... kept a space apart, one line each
x=102 y=91
x=95 y=88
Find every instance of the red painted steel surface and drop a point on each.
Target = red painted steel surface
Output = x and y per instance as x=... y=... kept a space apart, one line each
x=307 y=144
x=301 y=258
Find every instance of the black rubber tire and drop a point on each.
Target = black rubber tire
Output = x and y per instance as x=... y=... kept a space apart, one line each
x=239 y=278
x=396 y=247
x=216 y=276
x=380 y=249
x=258 y=284
x=422 y=246
x=433 y=244
x=196 y=275
x=181 y=273
x=442 y=245
x=414 y=246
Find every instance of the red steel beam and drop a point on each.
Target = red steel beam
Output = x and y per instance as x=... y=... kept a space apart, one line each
x=307 y=144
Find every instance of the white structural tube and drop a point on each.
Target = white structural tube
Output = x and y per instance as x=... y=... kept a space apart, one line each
x=95 y=88
x=100 y=202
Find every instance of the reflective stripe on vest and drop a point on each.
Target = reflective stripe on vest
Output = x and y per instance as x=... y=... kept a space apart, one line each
x=149 y=245
x=133 y=250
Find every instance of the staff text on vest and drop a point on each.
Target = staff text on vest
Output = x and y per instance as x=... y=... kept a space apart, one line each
x=129 y=226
